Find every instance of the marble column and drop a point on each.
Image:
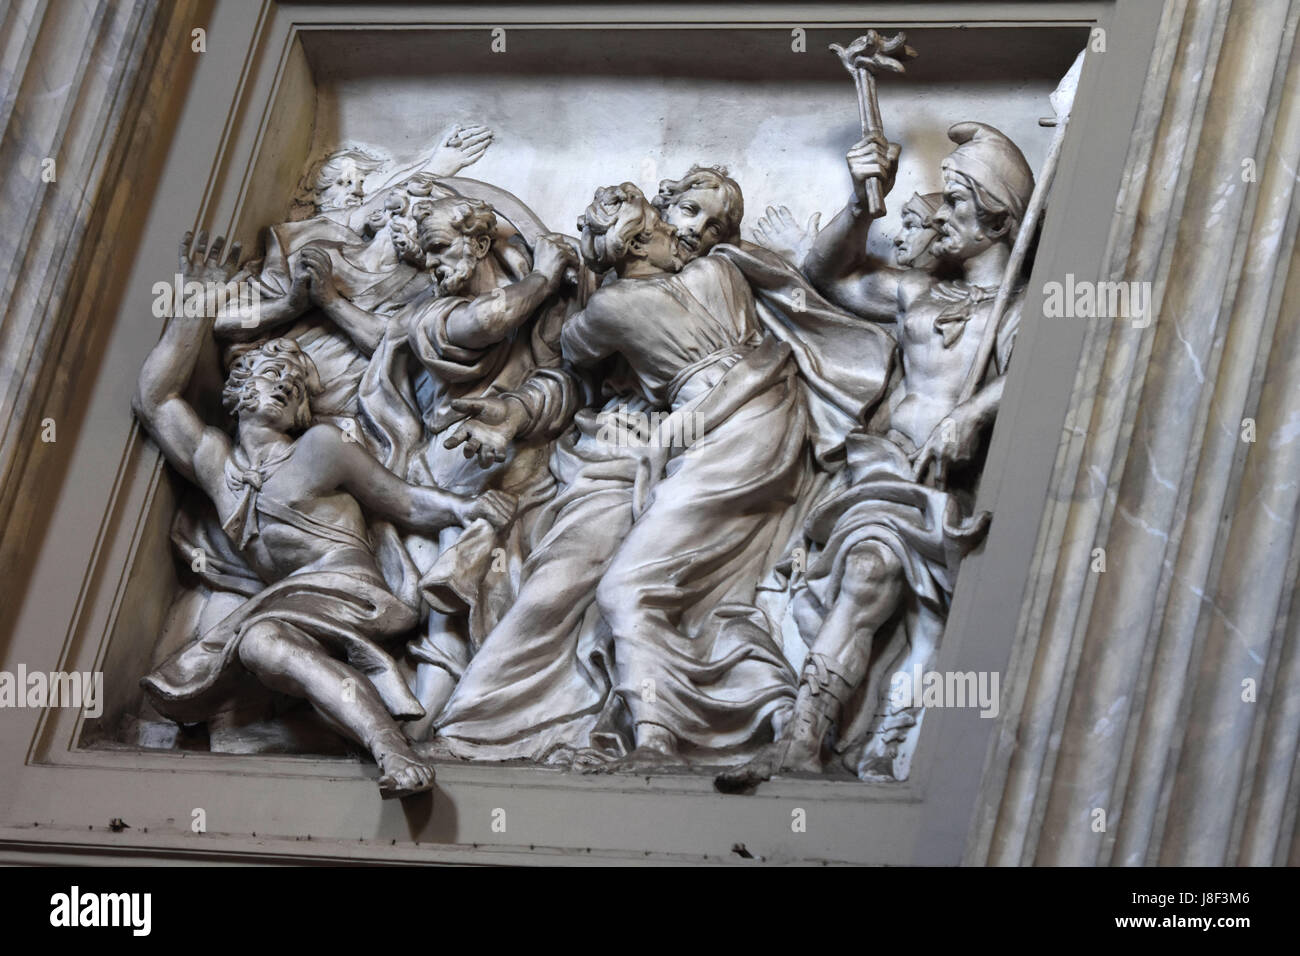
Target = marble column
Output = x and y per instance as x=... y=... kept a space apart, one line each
x=1160 y=722
x=80 y=81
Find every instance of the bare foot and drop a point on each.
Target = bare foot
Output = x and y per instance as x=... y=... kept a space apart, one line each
x=403 y=774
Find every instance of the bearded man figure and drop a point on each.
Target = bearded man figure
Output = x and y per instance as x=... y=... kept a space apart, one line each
x=887 y=548
x=575 y=662
x=351 y=228
x=540 y=687
x=289 y=494
x=479 y=330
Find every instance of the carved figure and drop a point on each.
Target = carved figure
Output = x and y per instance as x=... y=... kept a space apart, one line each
x=891 y=542
x=290 y=494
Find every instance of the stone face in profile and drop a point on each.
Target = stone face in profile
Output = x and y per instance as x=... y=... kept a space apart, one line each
x=289 y=495
x=498 y=493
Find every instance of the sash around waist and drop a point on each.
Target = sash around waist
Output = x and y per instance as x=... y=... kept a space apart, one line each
x=721 y=359
x=306 y=523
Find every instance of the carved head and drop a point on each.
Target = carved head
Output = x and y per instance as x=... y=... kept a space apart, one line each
x=986 y=188
x=455 y=235
x=338 y=180
x=272 y=384
x=394 y=223
x=705 y=206
x=916 y=233
x=621 y=226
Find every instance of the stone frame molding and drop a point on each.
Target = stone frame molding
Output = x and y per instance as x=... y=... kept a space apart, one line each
x=1103 y=672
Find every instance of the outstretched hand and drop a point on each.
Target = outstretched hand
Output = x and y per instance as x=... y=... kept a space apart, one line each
x=488 y=431
x=201 y=262
x=458 y=147
x=778 y=231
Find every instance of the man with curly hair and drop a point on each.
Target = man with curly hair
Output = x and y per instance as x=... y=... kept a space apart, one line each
x=289 y=495
x=478 y=330
x=705 y=207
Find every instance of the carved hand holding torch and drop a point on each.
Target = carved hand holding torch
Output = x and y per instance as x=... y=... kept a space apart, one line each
x=862 y=58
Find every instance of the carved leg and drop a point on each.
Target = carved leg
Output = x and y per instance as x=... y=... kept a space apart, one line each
x=287 y=661
x=432 y=687
x=798 y=750
x=821 y=699
x=837 y=664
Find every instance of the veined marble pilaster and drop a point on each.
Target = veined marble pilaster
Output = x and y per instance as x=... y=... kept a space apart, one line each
x=1135 y=701
x=78 y=79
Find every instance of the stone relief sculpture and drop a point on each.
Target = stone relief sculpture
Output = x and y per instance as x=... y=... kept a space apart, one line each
x=293 y=508
x=892 y=540
x=334 y=186
x=497 y=493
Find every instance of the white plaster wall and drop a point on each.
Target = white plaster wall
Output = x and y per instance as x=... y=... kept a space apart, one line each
x=780 y=121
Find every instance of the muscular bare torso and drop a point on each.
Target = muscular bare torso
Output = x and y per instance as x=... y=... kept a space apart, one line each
x=933 y=373
x=303 y=476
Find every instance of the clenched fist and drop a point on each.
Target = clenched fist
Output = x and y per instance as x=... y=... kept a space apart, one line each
x=873 y=158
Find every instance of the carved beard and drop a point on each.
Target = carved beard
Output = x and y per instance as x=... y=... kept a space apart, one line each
x=451 y=284
x=948 y=243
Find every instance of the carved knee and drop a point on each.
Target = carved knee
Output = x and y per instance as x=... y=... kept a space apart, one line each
x=618 y=598
x=869 y=568
x=263 y=649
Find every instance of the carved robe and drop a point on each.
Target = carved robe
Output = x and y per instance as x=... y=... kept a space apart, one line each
x=476 y=581
x=345 y=371
x=340 y=363
x=339 y=600
x=540 y=686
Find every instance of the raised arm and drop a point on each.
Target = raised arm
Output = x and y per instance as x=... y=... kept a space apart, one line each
x=459 y=146
x=838 y=264
x=189 y=445
x=228 y=293
x=243 y=324
x=491 y=317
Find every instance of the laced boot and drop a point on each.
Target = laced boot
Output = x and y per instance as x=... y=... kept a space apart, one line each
x=821 y=698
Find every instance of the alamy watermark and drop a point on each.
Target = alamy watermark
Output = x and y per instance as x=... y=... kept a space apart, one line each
x=1084 y=299
x=626 y=428
x=76 y=909
x=946 y=689
x=82 y=690
x=207 y=299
